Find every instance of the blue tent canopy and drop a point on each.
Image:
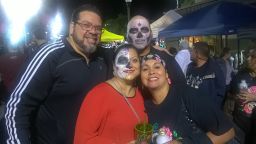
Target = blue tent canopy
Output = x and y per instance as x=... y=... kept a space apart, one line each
x=219 y=18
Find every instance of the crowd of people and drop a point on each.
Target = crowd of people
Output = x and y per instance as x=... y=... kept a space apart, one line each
x=70 y=91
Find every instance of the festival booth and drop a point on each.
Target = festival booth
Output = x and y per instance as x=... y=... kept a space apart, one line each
x=164 y=21
x=222 y=19
x=110 y=37
x=110 y=40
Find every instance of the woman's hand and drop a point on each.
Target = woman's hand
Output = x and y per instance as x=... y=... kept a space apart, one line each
x=222 y=139
x=246 y=96
x=162 y=49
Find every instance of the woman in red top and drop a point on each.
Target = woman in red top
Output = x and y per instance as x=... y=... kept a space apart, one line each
x=111 y=110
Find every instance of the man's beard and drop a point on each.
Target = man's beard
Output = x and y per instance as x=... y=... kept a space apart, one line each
x=89 y=49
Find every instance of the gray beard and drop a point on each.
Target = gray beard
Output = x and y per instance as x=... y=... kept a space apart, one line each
x=89 y=50
x=84 y=49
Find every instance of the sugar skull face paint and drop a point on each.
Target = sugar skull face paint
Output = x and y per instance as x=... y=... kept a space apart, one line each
x=139 y=33
x=127 y=64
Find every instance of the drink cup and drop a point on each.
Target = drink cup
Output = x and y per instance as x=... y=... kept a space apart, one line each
x=143 y=133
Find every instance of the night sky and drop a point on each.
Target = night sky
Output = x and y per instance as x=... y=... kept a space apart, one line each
x=152 y=9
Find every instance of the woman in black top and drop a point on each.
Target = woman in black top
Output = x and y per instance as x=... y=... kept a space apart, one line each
x=244 y=114
x=169 y=107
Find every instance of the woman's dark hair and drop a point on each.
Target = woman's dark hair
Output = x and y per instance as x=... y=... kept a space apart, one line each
x=86 y=7
x=121 y=47
x=202 y=48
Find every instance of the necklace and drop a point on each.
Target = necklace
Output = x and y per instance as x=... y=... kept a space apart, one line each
x=117 y=85
x=120 y=89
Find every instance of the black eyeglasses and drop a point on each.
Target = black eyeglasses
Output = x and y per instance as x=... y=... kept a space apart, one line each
x=89 y=26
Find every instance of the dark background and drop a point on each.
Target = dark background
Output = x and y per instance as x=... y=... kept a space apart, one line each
x=152 y=9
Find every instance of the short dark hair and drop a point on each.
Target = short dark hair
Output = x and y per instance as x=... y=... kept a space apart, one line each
x=252 y=52
x=225 y=51
x=202 y=48
x=39 y=33
x=121 y=47
x=85 y=7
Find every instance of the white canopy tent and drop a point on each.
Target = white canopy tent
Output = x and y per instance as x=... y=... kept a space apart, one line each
x=168 y=18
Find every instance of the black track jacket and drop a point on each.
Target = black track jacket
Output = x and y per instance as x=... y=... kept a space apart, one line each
x=44 y=106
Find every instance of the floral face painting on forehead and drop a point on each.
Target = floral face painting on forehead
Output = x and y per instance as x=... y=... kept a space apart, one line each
x=154 y=57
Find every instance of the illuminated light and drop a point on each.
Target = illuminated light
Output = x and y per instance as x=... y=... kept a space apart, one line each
x=21 y=10
x=56 y=27
x=16 y=33
x=18 y=13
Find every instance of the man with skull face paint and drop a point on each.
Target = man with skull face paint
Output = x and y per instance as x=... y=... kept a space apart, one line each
x=139 y=34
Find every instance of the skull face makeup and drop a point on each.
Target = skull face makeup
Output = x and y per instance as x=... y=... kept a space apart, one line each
x=139 y=33
x=126 y=64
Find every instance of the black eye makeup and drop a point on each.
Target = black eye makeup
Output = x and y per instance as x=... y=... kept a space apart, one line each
x=122 y=60
x=133 y=30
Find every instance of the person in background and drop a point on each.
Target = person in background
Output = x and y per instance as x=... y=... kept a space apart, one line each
x=44 y=105
x=183 y=55
x=226 y=66
x=173 y=107
x=172 y=50
x=3 y=93
x=228 y=71
x=205 y=76
x=243 y=89
x=112 y=109
x=38 y=39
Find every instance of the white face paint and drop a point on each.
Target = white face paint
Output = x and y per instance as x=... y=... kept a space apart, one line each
x=122 y=63
x=127 y=65
x=139 y=33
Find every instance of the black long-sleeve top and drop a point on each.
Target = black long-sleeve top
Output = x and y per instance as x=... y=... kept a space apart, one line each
x=179 y=112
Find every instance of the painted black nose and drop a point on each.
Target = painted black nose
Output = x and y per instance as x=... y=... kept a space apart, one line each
x=139 y=35
x=128 y=65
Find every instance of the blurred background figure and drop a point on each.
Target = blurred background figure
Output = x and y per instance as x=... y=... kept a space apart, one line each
x=38 y=39
x=226 y=65
x=228 y=71
x=172 y=50
x=183 y=55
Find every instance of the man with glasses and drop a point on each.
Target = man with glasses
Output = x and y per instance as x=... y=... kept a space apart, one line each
x=45 y=103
